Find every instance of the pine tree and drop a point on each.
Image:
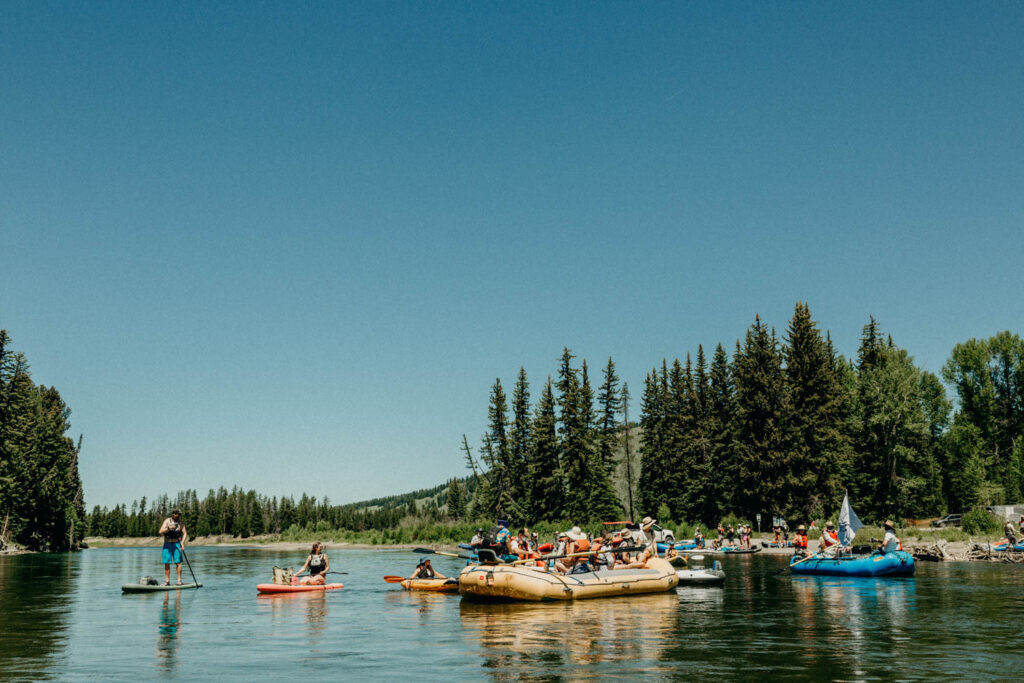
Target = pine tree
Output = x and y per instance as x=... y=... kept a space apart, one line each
x=721 y=431
x=519 y=439
x=456 y=499
x=610 y=404
x=761 y=412
x=547 y=493
x=817 y=446
x=653 y=448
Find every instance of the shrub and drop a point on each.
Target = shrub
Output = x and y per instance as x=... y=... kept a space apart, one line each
x=980 y=521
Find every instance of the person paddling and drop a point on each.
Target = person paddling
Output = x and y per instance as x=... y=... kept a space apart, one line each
x=318 y=566
x=425 y=571
x=175 y=535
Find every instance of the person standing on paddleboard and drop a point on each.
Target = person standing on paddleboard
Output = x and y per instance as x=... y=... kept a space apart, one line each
x=175 y=535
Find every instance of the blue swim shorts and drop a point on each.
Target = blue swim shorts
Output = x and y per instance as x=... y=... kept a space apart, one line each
x=172 y=553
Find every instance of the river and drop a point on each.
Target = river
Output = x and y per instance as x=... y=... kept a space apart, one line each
x=63 y=617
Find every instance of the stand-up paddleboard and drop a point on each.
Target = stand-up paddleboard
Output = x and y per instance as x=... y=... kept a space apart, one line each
x=278 y=588
x=147 y=588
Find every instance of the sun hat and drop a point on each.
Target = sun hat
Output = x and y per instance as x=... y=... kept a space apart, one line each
x=576 y=534
x=829 y=525
x=423 y=561
x=647 y=523
x=889 y=523
x=801 y=528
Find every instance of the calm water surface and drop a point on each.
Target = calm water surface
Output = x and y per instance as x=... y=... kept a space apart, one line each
x=64 y=617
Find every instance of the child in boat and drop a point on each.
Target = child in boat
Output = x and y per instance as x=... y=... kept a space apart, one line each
x=698 y=537
x=318 y=566
x=800 y=542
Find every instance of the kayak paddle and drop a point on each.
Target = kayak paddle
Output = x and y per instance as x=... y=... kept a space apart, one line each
x=428 y=551
x=809 y=557
x=391 y=578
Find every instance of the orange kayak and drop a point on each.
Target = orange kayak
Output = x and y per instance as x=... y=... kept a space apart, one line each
x=436 y=585
x=277 y=588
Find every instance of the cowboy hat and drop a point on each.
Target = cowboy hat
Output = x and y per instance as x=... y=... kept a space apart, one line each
x=889 y=523
x=801 y=528
x=647 y=523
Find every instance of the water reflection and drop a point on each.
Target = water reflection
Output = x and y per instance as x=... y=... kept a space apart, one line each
x=854 y=612
x=167 y=640
x=569 y=639
x=310 y=607
x=35 y=594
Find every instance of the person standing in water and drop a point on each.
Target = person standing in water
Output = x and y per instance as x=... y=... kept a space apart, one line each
x=175 y=535
x=318 y=566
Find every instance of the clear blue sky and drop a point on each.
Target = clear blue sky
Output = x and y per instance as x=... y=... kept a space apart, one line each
x=291 y=246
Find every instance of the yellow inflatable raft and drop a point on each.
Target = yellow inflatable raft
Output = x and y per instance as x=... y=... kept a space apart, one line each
x=436 y=585
x=504 y=582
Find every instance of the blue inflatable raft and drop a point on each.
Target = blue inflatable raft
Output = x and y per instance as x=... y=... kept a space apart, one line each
x=899 y=563
x=1001 y=547
x=681 y=545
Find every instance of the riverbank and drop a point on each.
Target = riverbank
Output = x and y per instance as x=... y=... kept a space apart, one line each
x=252 y=543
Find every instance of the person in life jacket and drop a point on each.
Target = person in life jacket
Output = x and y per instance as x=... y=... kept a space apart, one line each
x=425 y=571
x=800 y=540
x=577 y=543
x=890 y=543
x=318 y=566
x=175 y=535
x=698 y=537
x=829 y=537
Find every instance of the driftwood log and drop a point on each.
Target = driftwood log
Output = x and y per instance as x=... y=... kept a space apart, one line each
x=936 y=552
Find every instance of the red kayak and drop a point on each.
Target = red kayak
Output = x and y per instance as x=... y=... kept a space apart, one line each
x=278 y=588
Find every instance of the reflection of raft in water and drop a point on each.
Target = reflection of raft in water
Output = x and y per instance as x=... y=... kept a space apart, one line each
x=515 y=582
x=897 y=563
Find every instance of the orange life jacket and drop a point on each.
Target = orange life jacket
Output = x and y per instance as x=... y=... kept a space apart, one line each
x=800 y=541
x=830 y=538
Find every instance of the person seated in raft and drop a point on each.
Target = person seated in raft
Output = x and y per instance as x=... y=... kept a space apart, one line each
x=605 y=558
x=1022 y=526
x=829 y=539
x=671 y=552
x=639 y=561
x=698 y=537
x=478 y=539
x=1011 y=535
x=318 y=566
x=890 y=543
x=800 y=541
x=425 y=571
x=577 y=543
x=646 y=534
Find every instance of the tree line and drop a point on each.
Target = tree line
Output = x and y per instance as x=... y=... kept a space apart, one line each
x=781 y=427
x=244 y=514
x=41 y=501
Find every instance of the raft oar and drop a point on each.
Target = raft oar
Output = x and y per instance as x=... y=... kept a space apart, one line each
x=391 y=578
x=545 y=558
x=428 y=551
x=809 y=557
x=181 y=547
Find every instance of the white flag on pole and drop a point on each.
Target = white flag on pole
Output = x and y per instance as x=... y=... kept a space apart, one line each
x=848 y=522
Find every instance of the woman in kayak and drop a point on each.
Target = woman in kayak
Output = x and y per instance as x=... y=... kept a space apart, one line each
x=425 y=571
x=318 y=566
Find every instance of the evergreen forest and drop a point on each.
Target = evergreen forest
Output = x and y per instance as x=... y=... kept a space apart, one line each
x=41 y=503
x=781 y=426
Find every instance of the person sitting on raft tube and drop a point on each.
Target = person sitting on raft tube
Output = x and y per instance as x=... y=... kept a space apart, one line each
x=800 y=541
x=829 y=537
x=425 y=571
x=890 y=543
x=175 y=535
x=478 y=539
x=698 y=537
x=1011 y=535
x=318 y=566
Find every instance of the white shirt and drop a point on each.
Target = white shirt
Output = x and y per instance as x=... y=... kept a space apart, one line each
x=890 y=543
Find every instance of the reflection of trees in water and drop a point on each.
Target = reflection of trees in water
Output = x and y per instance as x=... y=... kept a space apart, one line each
x=35 y=594
x=574 y=640
x=167 y=641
